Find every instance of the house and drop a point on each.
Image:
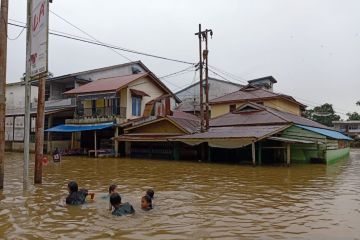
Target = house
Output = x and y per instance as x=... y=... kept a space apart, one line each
x=148 y=137
x=15 y=110
x=255 y=130
x=107 y=102
x=350 y=128
x=258 y=91
x=190 y=96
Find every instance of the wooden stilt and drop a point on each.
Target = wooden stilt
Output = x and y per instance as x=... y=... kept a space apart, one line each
x=288 y=154
x=116 y=143
x=253 y=153
x=95 y=147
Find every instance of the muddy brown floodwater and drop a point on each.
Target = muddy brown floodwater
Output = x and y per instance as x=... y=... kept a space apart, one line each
x=192 y=200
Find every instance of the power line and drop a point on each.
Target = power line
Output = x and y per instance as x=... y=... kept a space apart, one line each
x=178 y=72
x=77 y=38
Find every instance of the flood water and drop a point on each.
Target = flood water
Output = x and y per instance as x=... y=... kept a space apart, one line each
x=192 y=200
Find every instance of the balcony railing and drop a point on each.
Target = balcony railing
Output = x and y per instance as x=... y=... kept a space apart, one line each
x=58 y=103
x=102 y=112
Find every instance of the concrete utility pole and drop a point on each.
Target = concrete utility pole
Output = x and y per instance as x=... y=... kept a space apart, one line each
x=203 y=36
x=3 y=54
x=27 y=98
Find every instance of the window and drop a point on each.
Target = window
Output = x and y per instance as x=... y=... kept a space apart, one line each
x=136 y=106
x=232 y=107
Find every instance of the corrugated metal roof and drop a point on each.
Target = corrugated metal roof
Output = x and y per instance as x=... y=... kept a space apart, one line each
x=326 y=132
x=237 y=132
x=106 y=84
x=261 y=115
x=250 y=93
x=189 y=122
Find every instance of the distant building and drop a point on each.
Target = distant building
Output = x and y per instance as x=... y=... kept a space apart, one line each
x=190 y=96
x=15 y=110
x=258 y=91
x=350 y=128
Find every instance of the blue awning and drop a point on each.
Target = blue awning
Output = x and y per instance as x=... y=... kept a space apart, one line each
x=327 y=132
x=79 y=128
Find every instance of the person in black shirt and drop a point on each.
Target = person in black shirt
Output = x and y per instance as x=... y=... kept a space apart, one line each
x=119 y=208
x=76 y=196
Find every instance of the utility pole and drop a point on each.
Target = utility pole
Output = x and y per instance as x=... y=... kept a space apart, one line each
x=27 y=97
x=201 y=81
x=39 y=131
x=3 y=54
x=204 y=118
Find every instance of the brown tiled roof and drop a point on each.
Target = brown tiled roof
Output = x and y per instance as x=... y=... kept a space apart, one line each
x=106 y=84
x=250 y=93
x=237 y=132
x=261 y=115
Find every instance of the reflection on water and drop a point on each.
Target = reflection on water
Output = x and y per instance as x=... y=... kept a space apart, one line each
x=192 y=200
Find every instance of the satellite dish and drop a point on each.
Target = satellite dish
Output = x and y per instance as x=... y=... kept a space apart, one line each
x=321 y=114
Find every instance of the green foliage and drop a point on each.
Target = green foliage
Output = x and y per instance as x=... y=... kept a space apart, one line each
x=353 y=116
x=323 y=114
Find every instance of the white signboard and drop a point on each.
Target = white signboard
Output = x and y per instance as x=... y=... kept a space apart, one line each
x=39 y=37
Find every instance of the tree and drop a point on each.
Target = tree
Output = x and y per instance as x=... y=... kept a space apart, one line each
x=323 y=114
x=353 y=116
x=358 y=103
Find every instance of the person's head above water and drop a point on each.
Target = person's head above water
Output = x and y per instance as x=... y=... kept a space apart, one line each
x=112 y=188
x=73 y=187
x=115 y=199
x=150 y=193
x=146 y=202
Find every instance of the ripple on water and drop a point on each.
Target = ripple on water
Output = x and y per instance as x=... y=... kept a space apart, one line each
x=192 y=200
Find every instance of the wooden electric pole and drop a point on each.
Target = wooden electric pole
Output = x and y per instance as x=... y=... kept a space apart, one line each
x=201 y=82
x=39 y=131
x=204 y=118
x=3 y=54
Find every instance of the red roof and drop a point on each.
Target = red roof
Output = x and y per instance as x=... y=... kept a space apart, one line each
x=106 y=84
x=250 y=93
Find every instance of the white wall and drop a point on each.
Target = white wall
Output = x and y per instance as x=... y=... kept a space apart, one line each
x=15 y=96
x=114 y=72
x=216 y=89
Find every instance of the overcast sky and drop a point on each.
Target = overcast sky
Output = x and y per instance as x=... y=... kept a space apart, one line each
x=311 y=47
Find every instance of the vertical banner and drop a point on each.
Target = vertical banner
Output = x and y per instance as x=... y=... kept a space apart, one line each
x=39 y=37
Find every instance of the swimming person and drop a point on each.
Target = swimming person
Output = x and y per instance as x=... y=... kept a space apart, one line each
x=56 y=155
x=119 y=208
x=150 y=193
x=146 y=203
x=112 y=189
x=76 y=196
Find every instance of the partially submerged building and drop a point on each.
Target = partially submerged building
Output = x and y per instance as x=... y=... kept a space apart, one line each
x=106 y=103
x=253 y=131
x=350 y=128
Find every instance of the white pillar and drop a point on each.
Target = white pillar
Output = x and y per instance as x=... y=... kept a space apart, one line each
x=253 y=153
x=288 y=154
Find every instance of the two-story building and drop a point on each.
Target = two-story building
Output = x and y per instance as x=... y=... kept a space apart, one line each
x=190 y=96
x=107 y=102
x=259 y=91
x=15 y=110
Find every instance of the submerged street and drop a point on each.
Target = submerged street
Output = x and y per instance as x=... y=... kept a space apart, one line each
x=192 y=200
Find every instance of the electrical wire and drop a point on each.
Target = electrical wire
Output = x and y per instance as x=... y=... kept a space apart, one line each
x=77 y=38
